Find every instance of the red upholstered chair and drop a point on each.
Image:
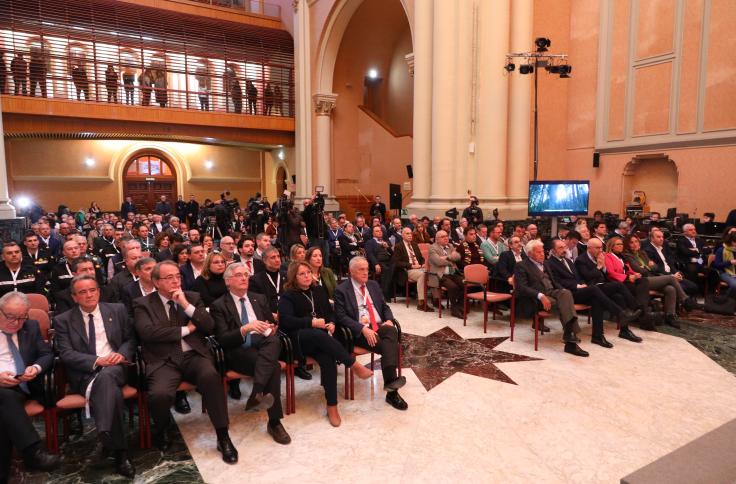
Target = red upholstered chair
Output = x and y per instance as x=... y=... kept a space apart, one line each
x=424 y=249
x=39 y=301
x=476 y=275
x=44 y=322
x=357 y=351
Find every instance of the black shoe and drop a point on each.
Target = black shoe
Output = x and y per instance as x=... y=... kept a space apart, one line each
x=278 y=433
x=97 y=457
x=601 y=341
x=648 y=326
x=395 y=384
x=259 y=401
x=691 y=303
x=162 y=441
x=457 y=313
x=657 y=318
x=234 y=389
x=574 y=349
x=395 y=400
x=626 y=333
x=542 y=328
x=228 y=450
x=40 y=460
x=570 y=337
x=124 y=466
x=671 y=320
x=181 y=405
x=301 y=372
x=628 y=316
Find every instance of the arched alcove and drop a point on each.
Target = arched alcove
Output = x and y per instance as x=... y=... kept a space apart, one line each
x=656 y=176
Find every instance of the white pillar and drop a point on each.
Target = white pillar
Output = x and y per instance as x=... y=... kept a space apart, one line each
x=463 y=98
x=519 y=138
x=323 y=106
x=493 y=86
x=7 y=211
x=302 y=80
x=444 y=106
x=422 y=132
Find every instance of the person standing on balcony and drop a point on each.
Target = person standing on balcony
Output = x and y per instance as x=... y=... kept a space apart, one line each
x=3 y=73
x=38 y=69
x=19 y=68
x=111 y=84
x=160 y=84
x=128 y=83
x=205 y=86
x=252 y=95
x=268 y=99
x=145 y=81
x=278 y=100
x=79 y=77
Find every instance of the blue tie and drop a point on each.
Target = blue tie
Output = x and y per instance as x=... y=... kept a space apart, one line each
x=243 y=321
x=20 y=366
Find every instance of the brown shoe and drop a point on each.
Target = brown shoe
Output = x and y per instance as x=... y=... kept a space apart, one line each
x=361 y=371
x=423 y=306
x=333 y=415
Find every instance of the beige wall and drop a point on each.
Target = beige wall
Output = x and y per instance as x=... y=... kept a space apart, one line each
x=399 y=92
x=54 y=172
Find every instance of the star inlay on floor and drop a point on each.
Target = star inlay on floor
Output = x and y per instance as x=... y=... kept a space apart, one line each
x=437 y=357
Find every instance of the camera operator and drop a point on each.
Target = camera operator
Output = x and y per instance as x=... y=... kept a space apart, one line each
x=313 y=216
x=473 y=213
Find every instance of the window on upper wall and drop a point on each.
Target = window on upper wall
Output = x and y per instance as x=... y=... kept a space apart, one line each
x=148 y=166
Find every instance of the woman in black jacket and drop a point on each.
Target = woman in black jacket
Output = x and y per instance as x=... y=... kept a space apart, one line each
x=306 y=316
x=210 y=284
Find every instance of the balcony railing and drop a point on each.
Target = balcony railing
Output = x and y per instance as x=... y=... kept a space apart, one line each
x=258 y=7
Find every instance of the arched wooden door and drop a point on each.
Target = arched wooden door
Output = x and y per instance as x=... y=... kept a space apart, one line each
x=280 y=181
x=146 y=178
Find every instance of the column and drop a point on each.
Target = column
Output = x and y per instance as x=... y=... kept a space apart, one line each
x=421 y=68
x=493 y=82
x=323 y=105
x=444 y=106
x=7 y=211
x=463 y=97
x=302 y=79
x=519 y=137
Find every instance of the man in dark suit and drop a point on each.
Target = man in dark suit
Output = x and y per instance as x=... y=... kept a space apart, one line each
x=49 y=241
x=158 y=225
x=63 y=300
x=690 y=253
x=246 y=330
x=503 y=272
x=24 y=357
x=127 y=275
x=378 y=209
x=270 y=282
x=659 y=252
x=534 y=286
x=194 y=266
x=127 y=207
x=192 y=212
x=61 y=273
x=361 y=308
x=564 y=275
x=142 y=286
x=408 y=262
x=96 y=343
x=247 y=249
x=378 y=252
x=172 y=326
x=163 y=207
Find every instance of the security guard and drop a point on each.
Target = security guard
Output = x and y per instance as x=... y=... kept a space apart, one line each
x=16 y=276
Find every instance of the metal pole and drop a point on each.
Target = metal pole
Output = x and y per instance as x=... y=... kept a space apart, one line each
x=536 y=120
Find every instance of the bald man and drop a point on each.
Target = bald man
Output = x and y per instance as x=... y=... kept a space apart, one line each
x=61 y=273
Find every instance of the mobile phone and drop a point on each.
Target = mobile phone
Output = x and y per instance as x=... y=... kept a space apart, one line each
x=18 y=376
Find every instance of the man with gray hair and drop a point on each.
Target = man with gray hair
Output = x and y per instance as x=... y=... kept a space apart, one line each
x=534 y=287
x=691 y=253
x=408 y=259
x=24 y=356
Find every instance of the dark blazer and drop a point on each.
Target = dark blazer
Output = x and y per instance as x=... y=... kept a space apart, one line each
x=400 y=257
x=54 y=247
x=654 y=256
x=187 y=276
x=295 y=310
x=130 y=293
x=589 y=271
x=35 y=351
x=260 y=284
x=506 y=263
x=562 y=276
x=686 y=251
x=72 y=341
x=528 y=284
x=258 y=265
x=210 y=289
x=227 y=321
x=346 y=305
x=371 y=247
x=126 y=208
x=118 y=282
x=63 y=299
x=162 y=341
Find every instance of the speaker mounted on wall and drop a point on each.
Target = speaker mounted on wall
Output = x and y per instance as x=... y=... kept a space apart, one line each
x=596 y=159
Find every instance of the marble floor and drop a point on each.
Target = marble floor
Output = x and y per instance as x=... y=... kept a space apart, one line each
x=485 y=409
x=481 y=409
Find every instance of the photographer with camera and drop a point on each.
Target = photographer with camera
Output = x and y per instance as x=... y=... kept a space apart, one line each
x=313 y=216
x=473 y=213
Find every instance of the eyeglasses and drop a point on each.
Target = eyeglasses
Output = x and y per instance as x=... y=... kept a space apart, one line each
x=14 y=319
x=172 y=277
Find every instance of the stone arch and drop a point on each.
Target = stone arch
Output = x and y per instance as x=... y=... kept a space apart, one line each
x=121 y=158
x=331 y=38
x=657 y=175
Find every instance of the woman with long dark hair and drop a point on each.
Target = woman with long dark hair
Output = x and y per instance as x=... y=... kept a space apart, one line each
x=210 y=283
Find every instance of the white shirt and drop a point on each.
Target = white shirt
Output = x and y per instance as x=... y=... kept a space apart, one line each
x=7 y=363
x=248 y=307
x=661 y=255
x=410 y=252
x=189 y=311
x=102 y=346
x=517 y=257
x=363 y=302
x=143 y=289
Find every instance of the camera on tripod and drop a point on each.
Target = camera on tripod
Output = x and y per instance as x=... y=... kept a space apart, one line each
x=319 y=198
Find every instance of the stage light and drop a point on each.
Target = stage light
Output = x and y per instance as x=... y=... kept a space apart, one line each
x=526 y=69
x=281 y=155
x=373 y=73
x=208 y=164
x=542 y=43
x=90 y=162
x=510 y=67
x=24 y=202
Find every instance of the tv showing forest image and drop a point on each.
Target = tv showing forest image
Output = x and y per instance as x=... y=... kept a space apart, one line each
x=558 y=197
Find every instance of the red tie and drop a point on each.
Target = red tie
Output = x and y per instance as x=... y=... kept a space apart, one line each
x=250 y=267
x=369 y=307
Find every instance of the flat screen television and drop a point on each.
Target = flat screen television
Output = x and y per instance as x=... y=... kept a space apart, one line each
x=558 y=197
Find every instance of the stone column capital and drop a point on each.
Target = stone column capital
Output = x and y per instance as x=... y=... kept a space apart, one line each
x=409 y=58
x=324 y=103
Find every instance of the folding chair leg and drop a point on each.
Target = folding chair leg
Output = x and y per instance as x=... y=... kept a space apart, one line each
x=347 y=383
x=485 y=316
x=536 y=332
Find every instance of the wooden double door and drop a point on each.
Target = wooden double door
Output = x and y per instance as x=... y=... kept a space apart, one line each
x=146 y=178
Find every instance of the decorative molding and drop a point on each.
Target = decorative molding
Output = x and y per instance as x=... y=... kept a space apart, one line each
x=62 y=179
x=224 y=179
x=295 y=5
x=409 y=58
x=324 y=103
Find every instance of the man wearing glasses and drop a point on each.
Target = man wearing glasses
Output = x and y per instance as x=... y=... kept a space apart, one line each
x=172 y=325
x=96 y=344
x=24 y=356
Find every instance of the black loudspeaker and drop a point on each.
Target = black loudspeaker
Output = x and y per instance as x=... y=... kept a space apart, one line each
x=410 y=171
x=395 y=197
x=596 y=159
x=293 y=178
